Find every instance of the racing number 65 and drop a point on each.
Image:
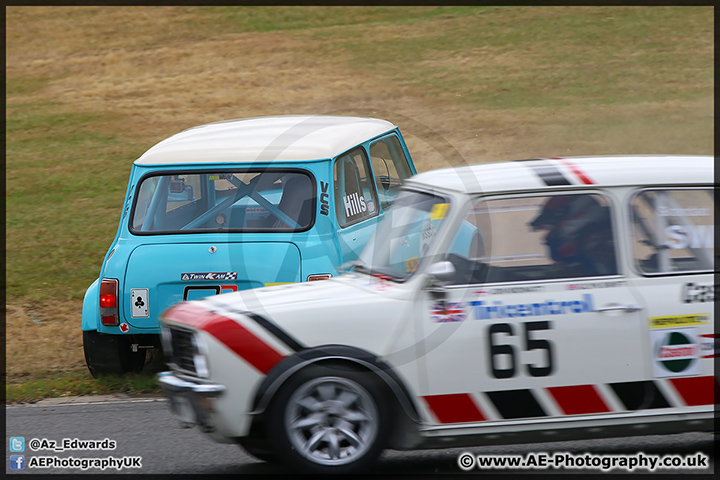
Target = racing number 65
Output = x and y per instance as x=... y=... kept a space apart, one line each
x=496 y=349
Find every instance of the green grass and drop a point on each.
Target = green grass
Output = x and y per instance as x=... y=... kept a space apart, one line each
x=65 y=184
x=265 y=19
x=567 y=55
x=79 y=383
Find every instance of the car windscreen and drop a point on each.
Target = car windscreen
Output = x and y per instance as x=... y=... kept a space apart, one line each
x=247 y=200
x=404 y=236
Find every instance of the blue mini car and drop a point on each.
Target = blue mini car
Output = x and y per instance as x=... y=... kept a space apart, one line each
x=236 y=205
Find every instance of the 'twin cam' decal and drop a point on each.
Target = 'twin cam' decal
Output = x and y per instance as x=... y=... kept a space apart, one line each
x=190 y=277
x=676 y=352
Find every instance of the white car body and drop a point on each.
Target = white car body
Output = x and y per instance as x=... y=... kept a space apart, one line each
x=534 y=357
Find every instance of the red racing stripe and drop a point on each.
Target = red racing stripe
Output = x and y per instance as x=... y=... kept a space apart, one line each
x=577 y=171
x=236 y=337
x=578 y=399
x=695 y=390
x=454 y=408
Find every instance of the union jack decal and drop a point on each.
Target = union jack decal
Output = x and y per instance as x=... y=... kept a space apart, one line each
x=447 y=312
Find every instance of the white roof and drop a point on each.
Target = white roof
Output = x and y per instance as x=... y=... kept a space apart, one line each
x=571 y=171
x=266 y=139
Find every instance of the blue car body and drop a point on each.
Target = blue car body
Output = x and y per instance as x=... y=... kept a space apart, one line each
x=232 y=206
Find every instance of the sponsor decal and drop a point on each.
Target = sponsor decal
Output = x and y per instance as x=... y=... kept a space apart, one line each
x=505 y=290
x=676 y=352
x=484 y=310
x=354 y=204
x=447 y=312
x=709 y=346
x=679 y=320
x=696 y=236
x=692 y=293
x=256 y=212
x=124 y=327
x=428 y=232
x=324 y=199
x=139 y=303
x=371 y=206
x=192 y=277
x=593 y=285
x=683 y=212
x=438 y=211
x=411 y=264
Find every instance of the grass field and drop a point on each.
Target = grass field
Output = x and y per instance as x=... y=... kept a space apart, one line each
x=90 y=88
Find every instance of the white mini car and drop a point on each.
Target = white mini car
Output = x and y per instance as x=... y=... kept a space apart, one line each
x=524 y=301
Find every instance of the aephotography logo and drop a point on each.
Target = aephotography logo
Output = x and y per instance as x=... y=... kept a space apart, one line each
x=676 y=352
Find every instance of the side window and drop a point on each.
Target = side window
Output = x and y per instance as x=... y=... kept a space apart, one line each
x=390 y=168
x=355 y=198
x=673 y=230
x=535 y=238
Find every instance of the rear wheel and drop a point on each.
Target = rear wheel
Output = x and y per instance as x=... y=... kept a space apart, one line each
x=329 y=420
x=111 y=354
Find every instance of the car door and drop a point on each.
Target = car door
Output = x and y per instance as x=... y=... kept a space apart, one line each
x=356 y=203
x=672 y=245
x=538 y=321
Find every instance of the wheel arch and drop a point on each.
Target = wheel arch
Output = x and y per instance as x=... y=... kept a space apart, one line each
x=357 y=359
x=90 y=308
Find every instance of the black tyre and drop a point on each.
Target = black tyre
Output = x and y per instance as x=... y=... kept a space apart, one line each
x=329 y=420
x=257 y=449
x=111 y=354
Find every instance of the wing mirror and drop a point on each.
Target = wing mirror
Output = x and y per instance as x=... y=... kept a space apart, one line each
x=441 y=273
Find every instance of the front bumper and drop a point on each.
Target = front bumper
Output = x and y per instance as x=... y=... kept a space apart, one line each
x=190 y=401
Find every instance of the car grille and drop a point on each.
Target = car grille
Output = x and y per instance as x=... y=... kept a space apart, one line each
x=182 y=350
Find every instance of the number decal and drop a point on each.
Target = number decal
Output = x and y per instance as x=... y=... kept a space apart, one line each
x=536 y=344
x=496 y=350
x=506 y=352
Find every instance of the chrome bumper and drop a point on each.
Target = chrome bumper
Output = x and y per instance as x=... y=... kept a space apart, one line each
x=191 y=402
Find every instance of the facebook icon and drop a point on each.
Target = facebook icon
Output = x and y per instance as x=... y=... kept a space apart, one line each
x=17 y=462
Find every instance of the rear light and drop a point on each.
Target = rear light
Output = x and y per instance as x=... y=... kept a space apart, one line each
x=318 y=276
x=108 y=301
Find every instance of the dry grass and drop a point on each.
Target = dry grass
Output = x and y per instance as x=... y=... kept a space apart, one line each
x=43 y=339
x=150 y=72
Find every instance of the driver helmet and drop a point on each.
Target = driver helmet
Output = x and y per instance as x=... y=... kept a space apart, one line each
x=565 y=216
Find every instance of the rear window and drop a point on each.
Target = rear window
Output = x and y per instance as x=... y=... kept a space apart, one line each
x=673 y=230
x=241 y=200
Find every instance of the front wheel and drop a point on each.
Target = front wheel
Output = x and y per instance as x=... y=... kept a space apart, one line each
x=329 y=420
x=111 y=354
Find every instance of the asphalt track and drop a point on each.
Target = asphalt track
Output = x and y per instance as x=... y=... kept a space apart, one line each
x=144 y=427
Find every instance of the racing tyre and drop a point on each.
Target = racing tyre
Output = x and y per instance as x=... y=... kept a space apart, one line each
x=257 y=450
x=329 y=420
x=111 y=354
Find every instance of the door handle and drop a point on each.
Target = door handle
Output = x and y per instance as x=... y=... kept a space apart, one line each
x=622 y=308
